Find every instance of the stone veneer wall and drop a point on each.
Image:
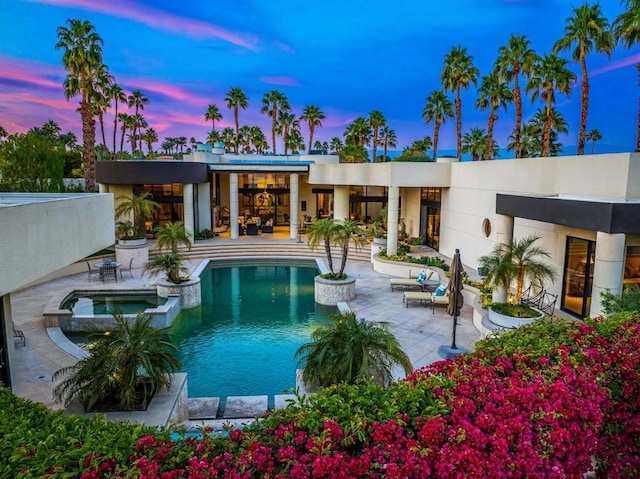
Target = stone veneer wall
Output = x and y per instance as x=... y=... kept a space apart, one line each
x=189 y=291
x=331 y=292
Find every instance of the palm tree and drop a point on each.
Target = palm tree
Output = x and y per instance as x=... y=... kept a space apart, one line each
x=626 y=29
x=127 y=122
x=517 y=261
x=294 y=141
x=273 y=102
x=82 y=58
x=494 y=94
x=287 y=122
x=3 y=133
x=213 y=137
x=344 y=233
x=236 y=99
x=150 y=136
x=142 y=123
x=115 y=93
x=137 y=100
x=141 y=206
x=181 y=141
x=358 y=133
x=313 y=116
x=258 y=140
x=213 y=114
x=513 y=59
x=171 y=235
x=336 y=145
x=458 y=72
x=376 y=121
x=132 y=357
x=550 y=75
x=588 y=30
x=389 y=139
x=475 y=142
x=229 y=137
x=351 y=350
x=532 y=133
x=244 y=138
x=322 y=230
x=170 y=264
x=438 y=108
x=593 y=135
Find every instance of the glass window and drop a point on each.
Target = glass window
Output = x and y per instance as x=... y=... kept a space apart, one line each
x=578 y=276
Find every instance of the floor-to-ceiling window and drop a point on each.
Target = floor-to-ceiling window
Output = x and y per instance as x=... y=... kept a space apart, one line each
x=264 y=195
x=366 y=203
x=578 y=276
x=170 y=204
x=324 y=202
x=430 y=216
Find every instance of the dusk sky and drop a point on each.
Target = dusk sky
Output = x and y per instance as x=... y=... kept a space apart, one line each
x=348 y=57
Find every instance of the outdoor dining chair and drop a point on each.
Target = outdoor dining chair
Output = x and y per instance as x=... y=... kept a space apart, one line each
x=129 y=269
x=92 y=272
x=108 y=270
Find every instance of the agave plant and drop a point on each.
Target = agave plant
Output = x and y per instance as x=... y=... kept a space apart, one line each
x=127 y=366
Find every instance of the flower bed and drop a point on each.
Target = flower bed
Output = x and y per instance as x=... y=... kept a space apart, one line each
x=539 y=402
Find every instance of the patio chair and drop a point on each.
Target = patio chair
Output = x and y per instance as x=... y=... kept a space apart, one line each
x=19 y=335
x=440 y=299
x=129 y=269
x=530 y=298
x=410 y=282
x=416 y=296
x=548 y=303
x=92 y=271
x=108 y=270
x=252 y=229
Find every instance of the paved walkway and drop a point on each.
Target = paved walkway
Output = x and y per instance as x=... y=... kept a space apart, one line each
x=419 y=331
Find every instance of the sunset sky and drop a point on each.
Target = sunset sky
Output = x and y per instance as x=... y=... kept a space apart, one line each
x=348 y=57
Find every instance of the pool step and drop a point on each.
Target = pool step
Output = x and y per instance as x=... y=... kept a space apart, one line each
x=246 y=406
x=203 y=408
x=237 y=407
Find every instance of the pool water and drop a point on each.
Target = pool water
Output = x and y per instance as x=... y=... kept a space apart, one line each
x=91 y=304
x=254 y=316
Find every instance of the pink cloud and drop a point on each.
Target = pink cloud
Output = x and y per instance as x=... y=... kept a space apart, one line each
x=165 y=89
x=282 y=80
x=34 y=73
x=616 y=65
x=159 y=20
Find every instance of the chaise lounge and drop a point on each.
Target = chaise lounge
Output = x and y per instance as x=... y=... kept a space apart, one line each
x=416 y=296
x=420 y=281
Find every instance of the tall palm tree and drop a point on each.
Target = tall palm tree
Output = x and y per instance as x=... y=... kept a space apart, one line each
x=358 y=133
x=228 y=137
x=494 y=94
x=313 y=116
x=181 y=141
x=438 y=108
x=213 y=137
x=376 y=121
x=458 y=72
x=138 y=100
x=127 y=121
x=244 y=139
x=351 y=350
x=171 y=235
x=287 y=122
x=213 y=114
x=336 y=145
x=344 y=233
x=475 y=142
x=294 y=141
x=258 y=140
x=82 y=58
x=322 y=231
x=150 y=136
x=593 y=135
x=142 y=123
x=235 y=100
x=626 y=30
x=273 y=102
x=550 y=75
x=514 y=59
x=389 y=139
x=588 y=30
x=115 y=93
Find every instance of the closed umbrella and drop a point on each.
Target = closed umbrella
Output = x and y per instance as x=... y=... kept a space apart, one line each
x=455 y=293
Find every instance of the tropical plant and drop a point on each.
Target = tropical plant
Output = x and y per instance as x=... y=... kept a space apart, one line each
x=438 y=108
x=351 y=350
x=514 y=59
x=550 y=75
x=475 y=143
x=313 y=116
x=322 y=231
x=294 y=141
x=273 y=102
x=150 y=136
x=593 y=135
x=171 y=236
x=626 y=30
x=516 y=261
x=169 y=264
x=336 y=145
x=494 y=94
x=125 y=230
x=115 y=93
x=458 y=72
x=82 y=58
x=389 y=139
x=140 y=206
x=213 y=114
x=127 y=366
x=628 y=300
x=588 y=30
x=376 y=121
x=235 y=100
x=354 y=154
x=287 y=123
x=344 y=233
x=137 y=100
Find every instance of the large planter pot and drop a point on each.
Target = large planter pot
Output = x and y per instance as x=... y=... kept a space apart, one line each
x=505 y=321
x=330 y=292
x=138 y=250
x=189 y=291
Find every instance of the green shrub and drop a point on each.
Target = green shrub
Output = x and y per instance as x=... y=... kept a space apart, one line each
x=515 y=310
x=203 y=234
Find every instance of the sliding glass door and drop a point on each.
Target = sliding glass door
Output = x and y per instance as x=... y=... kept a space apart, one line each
x=578 y=276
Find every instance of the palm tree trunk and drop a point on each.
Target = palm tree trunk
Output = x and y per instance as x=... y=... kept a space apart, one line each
x=375 y=143
x=327 y=249
x=101 y=119
x=122 y=138
x=311 y=127
x=384 y=155
x=585 y=107
x=492 y=119
x=88 y=151
x=546 y=136
x=436 y=132
x=458 y=124
x=638 y=133
x=343 y=261
x=518 y=101
x=115 y=128
x=273 y=131
x=235 y=116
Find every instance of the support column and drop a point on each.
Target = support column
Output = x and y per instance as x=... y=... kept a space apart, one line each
x=188 y=210
x=393 y=204
x=204 y=206
x=294 y=199
x=341 y=202
x=102 y=188
x=504 y=229
x=608 y=268
x=233 y=204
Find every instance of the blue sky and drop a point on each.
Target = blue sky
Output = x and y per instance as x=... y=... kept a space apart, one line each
x=346 y=57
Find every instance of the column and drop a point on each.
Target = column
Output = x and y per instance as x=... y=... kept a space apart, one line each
x=204 y=206
x=504 y=229
x=233 y=204
x=341 y=202
x=187 y=204
x=102 y=188
x=294 y=197
x=608 y=268
x=392 y=219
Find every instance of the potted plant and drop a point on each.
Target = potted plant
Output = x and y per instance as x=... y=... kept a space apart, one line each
x=176 y=281
x=125 y=369
x=171 y=236
x=141 y=208
x=171 y=265
x=515 y=262
x=125 y=230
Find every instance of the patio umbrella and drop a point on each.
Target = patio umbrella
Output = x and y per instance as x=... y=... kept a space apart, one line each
x=455 y=292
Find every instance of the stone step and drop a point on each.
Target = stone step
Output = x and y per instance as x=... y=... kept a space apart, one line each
x=245 y=406
x=203 y=408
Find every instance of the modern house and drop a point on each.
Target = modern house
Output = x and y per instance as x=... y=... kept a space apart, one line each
x=585 y=208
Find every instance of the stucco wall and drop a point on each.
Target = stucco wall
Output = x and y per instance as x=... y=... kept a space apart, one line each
x=381 y=174
x=41 y=237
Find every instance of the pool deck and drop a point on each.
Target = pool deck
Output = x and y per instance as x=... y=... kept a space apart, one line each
x=420 y=331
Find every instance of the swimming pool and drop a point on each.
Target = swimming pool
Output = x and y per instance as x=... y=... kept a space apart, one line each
x=254 y=315
x=92 y=303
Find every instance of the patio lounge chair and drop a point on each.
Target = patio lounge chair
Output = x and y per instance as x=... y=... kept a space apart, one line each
x=406 y=283
x=439 y=300
x=419 y=296
x=92 y=271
